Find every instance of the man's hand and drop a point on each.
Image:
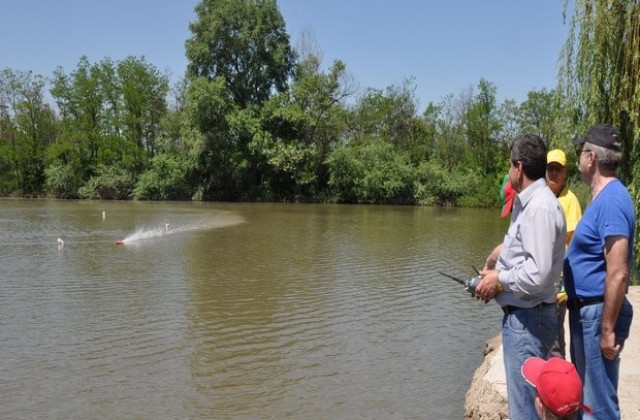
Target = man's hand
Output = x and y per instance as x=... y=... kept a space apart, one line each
x=487 y=289
x=610 y=349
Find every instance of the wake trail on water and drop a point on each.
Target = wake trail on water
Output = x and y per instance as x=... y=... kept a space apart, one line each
x=144 y=233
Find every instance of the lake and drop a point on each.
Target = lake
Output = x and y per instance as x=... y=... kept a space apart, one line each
x=240 y=311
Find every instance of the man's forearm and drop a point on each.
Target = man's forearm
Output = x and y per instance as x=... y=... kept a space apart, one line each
x=615 y=286
x=614 y=290
x=492 y=259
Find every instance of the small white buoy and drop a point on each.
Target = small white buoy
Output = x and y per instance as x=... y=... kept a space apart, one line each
x=104 y=215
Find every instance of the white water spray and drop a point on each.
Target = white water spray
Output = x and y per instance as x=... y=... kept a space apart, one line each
x=171 y=229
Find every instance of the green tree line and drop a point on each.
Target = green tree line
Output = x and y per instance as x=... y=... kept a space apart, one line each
x=255 y=119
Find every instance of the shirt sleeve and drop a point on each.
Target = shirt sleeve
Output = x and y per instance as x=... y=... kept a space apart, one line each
x=612 y=220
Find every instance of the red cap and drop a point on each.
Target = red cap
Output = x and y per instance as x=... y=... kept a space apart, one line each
x=558 y=384
x=509 y=194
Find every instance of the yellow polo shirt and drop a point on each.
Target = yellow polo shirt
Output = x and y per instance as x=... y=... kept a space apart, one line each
x=572 y=211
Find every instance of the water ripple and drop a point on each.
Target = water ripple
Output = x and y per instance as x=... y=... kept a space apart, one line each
x=241 y=312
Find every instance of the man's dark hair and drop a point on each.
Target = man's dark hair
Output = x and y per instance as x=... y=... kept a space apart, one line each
x=532 y=152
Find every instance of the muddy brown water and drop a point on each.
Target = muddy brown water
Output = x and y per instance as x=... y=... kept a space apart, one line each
x=239 y=311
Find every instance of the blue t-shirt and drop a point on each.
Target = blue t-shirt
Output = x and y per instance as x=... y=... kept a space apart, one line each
x=610 y=214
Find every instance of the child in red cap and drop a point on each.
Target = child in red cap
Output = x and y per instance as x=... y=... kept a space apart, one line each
x=558 y=385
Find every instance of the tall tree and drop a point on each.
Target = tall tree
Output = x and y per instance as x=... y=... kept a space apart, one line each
x=448 y=119
x=246 y=43
x=81 y=101
x=207 y=133
x=482 y=126
x=537 y=115
x=144 y=91
x=390 y=114
x=111 y=112
x=242 y=49
x=28 y=127
x=304 y=125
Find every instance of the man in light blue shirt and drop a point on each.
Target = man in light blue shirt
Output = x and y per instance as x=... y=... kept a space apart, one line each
x=520 y=273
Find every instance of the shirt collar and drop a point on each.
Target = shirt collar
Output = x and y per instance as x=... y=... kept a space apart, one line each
x=525 y=195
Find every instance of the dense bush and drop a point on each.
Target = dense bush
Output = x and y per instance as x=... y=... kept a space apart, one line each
x=110 y=183
x=62 y=180
x=167 y=179
x=372 y=172
x=346 y=174
x=436 y=185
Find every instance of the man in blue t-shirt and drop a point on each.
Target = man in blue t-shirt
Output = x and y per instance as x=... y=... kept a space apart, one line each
x=596 y=268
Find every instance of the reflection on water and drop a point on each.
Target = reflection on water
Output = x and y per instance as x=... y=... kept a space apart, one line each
x=239 y=310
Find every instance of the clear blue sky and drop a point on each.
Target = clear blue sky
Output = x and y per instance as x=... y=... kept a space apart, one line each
x=446 y=45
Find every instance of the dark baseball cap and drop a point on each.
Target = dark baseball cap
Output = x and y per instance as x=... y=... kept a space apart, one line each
x=604 y=135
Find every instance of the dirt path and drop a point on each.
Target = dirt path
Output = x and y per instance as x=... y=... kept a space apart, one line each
x=630 y=364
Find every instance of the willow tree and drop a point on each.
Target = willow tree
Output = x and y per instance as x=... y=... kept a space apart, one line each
x=593 y=56
x=599 y=76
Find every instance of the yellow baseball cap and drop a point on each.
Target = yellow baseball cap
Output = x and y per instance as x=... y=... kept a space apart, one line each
x=557 y=155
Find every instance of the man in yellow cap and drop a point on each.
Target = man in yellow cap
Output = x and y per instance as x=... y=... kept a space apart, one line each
x=556 y=176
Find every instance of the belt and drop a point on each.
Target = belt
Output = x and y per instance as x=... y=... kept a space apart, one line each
x=579 y=303
x=509 y=309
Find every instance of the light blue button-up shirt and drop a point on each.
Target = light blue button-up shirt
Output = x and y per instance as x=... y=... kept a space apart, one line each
x=532 y=252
